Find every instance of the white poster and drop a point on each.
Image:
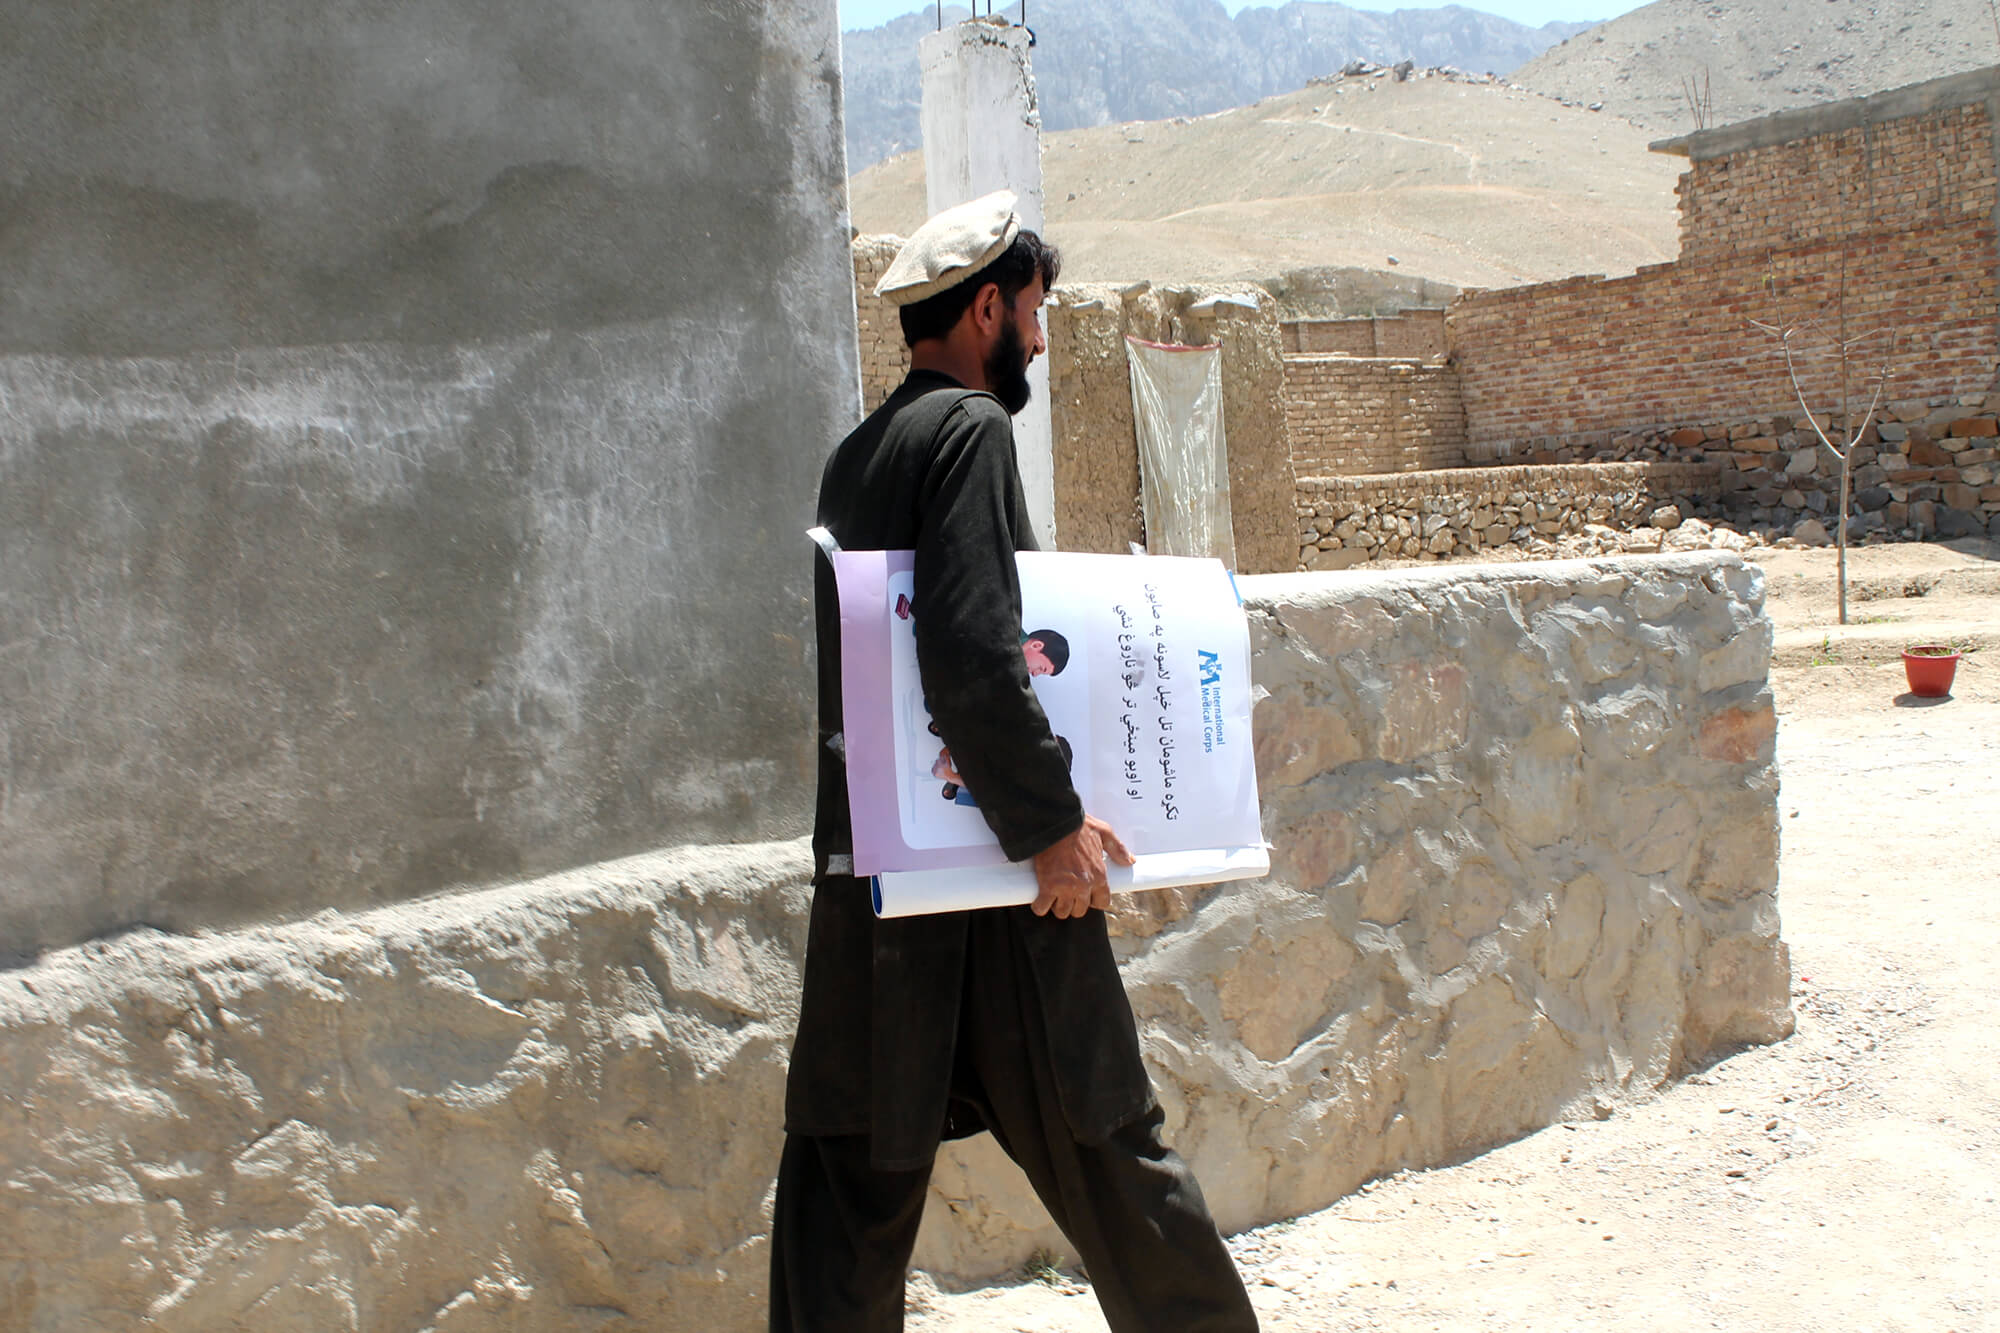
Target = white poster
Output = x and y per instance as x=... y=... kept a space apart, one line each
x=1142 y=666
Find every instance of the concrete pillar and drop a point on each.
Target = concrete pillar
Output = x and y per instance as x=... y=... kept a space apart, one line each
x=983 y=132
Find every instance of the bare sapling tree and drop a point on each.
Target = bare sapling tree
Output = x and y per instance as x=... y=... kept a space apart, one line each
x=1843 y=347
x=1700 y=101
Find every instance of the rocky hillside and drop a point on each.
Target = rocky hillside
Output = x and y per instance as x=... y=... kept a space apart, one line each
x=1102 y=61
x=1439 y=177
x=1761 y=56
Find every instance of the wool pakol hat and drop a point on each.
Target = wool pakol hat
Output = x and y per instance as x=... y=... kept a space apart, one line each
x=950 y=248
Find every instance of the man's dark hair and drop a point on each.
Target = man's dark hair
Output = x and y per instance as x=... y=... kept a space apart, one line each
x=1019 y=264
x=1054 y=647
x=1069 y=755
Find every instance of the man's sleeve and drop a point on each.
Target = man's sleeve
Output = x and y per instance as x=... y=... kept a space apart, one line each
x=968 y=627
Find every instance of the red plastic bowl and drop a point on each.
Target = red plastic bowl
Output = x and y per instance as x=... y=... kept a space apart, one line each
x=1930 y=674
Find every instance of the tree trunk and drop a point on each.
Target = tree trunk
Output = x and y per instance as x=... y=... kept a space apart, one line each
x=1846 y=472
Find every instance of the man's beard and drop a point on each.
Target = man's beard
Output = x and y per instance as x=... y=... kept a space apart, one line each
x=1007 y=368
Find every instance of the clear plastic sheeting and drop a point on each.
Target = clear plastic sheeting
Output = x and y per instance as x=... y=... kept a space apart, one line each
x=1183 y=457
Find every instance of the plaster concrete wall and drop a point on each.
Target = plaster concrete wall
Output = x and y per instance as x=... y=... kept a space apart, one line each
x=403 y=416
x=982 y=127
x=1525 y=861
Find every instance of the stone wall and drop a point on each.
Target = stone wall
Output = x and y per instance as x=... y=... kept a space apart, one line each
x=1352 y=416
x=1347 y=521
x=396 y=407
x=1525 y=836
x=548 y=1107
x=1890 y=200
x=1925 y=469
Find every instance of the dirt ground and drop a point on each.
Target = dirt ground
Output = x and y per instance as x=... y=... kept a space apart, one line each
x=1847 y=1178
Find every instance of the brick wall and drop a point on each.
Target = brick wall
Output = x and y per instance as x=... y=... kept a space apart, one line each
x=1348 y=416
x=1922 y=171
x=884 y=358
x=1417 y=333
x=1898 y=214
x=1329 y=337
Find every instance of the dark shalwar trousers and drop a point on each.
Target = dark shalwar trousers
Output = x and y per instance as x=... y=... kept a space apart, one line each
x=842 y=1231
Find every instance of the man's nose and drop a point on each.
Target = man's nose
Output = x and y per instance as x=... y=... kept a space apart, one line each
x=1041 y=345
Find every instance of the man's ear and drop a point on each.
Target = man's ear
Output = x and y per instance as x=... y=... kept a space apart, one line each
x=989 y=308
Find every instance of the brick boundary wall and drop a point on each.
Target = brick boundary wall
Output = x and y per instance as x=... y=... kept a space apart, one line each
x=1903 y=205
x=1416 y=333
x=1916 y=170
x=884 y=358
x=1578 y=362
x=1346 y=521
x=1354 y=416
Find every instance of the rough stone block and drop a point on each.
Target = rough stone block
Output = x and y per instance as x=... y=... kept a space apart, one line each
x=1739 y=735
x=566 y=1095
x=1958 y=523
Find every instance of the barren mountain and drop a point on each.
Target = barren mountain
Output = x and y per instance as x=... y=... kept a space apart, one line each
x=1459 y=181
x=1101 y=61
x=1760 y=56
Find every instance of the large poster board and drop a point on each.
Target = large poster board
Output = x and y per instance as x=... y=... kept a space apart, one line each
x=1152 y=700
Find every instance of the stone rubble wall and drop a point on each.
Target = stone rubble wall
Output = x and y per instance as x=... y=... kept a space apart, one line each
x=554 y=1106
x=1347 y=521
x=1353 y=416
x=1926 y=468
x=1524 y=833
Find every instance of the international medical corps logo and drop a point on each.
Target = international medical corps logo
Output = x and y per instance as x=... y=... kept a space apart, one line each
x=1211 y=700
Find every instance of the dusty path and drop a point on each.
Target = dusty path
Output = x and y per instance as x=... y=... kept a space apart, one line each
x=1848 y=1178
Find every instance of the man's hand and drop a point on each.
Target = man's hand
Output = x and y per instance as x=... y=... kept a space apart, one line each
x=1070 y=874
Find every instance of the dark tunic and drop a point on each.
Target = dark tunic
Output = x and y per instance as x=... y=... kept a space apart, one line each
x=933 y=471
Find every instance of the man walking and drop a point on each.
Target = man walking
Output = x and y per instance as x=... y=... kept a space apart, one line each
x=1012 y=1020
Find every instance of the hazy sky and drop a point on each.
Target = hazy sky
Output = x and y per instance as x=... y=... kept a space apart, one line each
x=869 y=13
